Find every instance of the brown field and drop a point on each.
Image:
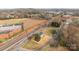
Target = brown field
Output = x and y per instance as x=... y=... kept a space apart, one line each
x=30 y=23
x=26 y=20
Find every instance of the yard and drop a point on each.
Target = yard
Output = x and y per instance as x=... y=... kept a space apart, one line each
x=34 y=45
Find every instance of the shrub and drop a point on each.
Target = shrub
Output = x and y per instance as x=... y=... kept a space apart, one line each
x=37 y=37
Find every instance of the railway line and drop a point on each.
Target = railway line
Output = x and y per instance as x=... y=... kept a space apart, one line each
x=23 y=37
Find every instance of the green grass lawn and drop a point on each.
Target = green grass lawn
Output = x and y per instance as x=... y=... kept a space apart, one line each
x=2 y=40
x=32 y=44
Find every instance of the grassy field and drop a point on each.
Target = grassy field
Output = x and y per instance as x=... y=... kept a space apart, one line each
x=2 y=40
x=10 y=21
x=32 y=44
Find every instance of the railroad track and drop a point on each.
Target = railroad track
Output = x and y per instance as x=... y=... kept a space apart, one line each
x=20 y=39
